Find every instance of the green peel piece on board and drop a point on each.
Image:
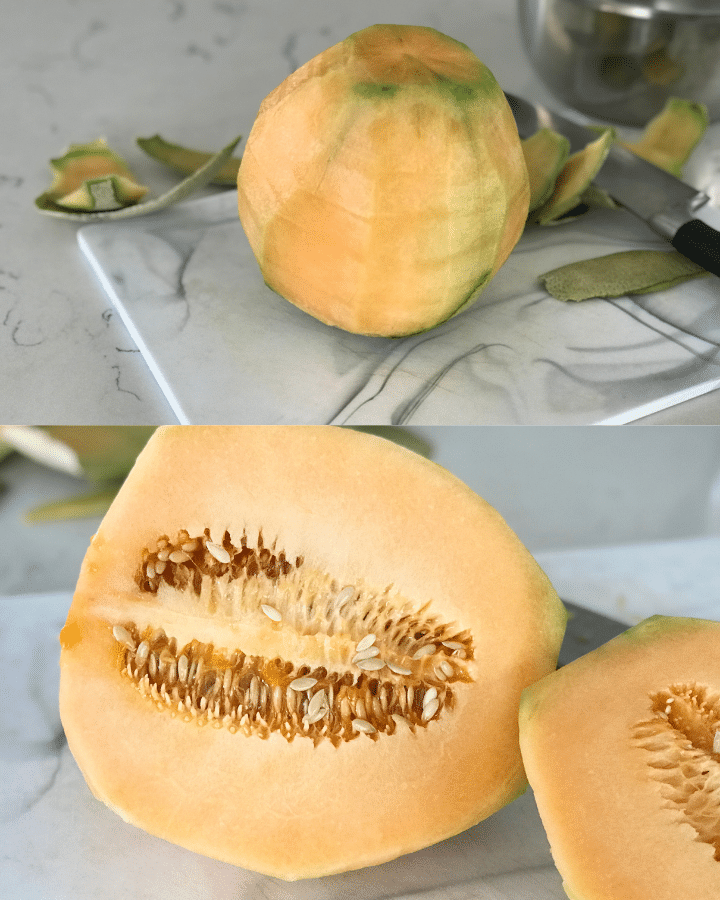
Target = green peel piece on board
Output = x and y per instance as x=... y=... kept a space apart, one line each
x=83 y=506
x=618 y=274
x=672 y=135
x=204 y=175
x=545 y=152
x=184 y=160
x=574 y=178
x=91 y=177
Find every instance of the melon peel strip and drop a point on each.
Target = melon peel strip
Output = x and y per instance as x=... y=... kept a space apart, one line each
x=667 y=141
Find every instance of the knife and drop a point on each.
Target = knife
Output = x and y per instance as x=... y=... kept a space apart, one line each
x=665 y=203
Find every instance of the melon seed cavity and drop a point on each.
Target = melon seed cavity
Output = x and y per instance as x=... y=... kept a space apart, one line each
x=681 y=739
x=399 y=670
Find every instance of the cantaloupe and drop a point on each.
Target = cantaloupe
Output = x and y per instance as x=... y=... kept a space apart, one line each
x=622 y=750
x=383 y=183
x=301 y=650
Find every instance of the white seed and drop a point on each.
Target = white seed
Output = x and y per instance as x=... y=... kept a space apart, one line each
x=254 y=690
x=152 y=665
x=219 y=552
x=291 y=700
x=271 y=612
x=364 y=726
x=150 y=570
x=399 y=670
x=317 y=702
x=227 y=681
x=277 y=697
x=303 y=684
x=370 y=665
x=345 y=594
x=367 y=653
x=199 y=668
x=427 y=650
x=429 y=709
x=360 y=710
x=163 y=555
x=142 y=652
x=315 y=717
x=189 y=546
x=430 y=694
x=461 y=654
x=179 y=556
x=345 y=710
x=400 y=720
x=365 y=642
x=160 y=567
x=123 y=636
x=716 y=742
x=453 y=645
x=447 y=668
x=182 y=665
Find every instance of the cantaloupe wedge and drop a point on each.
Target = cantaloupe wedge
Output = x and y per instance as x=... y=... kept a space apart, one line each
x=622 y=750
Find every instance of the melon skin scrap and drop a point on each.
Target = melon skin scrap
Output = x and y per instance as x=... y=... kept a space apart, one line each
x=301 y=650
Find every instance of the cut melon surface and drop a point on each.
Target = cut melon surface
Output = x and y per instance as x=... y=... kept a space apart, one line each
x=301 y=650
x=620 y=751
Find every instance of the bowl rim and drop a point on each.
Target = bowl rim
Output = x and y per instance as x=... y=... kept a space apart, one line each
x=648 y=9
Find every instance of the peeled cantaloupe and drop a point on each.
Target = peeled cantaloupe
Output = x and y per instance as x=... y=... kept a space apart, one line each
x=301 y=650
x=621 y=751
x=383 y=183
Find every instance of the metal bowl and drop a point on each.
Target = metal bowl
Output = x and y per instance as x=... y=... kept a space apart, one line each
x=620 y=60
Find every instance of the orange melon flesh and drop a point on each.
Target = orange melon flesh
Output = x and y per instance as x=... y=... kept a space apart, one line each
x=343 y=534
x=618 y=749
x=383 y=183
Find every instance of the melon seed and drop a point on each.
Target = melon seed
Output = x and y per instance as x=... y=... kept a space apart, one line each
x=389 y=672
x=679 y=745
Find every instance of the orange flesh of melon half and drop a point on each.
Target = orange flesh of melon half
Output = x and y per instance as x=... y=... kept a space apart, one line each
x=618 y=749
x=343 y=534
x=383 y=183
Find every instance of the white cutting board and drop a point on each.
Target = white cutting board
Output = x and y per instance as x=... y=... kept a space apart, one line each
x=224 y=348
x=59 y=843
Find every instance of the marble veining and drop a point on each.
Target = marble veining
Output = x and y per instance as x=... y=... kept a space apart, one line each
x=192 y=290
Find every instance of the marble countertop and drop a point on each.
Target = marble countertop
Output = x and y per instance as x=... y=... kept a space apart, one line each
x=195 y=73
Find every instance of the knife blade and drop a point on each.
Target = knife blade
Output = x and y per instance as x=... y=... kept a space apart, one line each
x=586 y=631
x=665 y=203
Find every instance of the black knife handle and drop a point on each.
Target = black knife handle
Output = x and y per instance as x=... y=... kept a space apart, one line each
x=700 y=243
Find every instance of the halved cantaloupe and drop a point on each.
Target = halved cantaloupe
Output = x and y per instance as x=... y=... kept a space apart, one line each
x=383 y=183
x=301 y=650
x=621 y=751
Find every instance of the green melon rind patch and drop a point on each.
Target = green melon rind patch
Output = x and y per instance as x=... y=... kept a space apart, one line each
x=545 y=152
x=574 y=178
x=670 y=137
x=618 y=274
x=186 y=160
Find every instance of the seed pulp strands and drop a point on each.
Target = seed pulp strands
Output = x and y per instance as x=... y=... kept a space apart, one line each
x=399 y=668
x=683 y=753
